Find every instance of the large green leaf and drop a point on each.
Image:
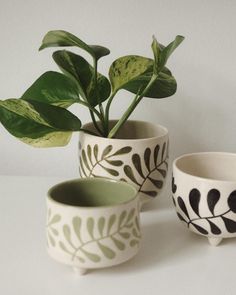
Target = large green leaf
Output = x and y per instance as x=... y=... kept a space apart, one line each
x=78 y=68
x=128 y=68
x=38 y=124
x=53 y=88
x=62 y=38
x=133 y=73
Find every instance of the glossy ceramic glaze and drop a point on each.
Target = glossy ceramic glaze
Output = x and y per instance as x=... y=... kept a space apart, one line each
x=204 y=194
x=93 y=223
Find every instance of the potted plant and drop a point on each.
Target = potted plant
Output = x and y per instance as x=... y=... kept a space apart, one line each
x=134 y=151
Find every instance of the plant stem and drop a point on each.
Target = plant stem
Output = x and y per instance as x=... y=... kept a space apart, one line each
x=108 y=109
x=131 y=108
x=90 y=107
x=95 y=122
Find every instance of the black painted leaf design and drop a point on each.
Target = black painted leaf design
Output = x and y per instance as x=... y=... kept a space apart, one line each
x=214 y=228
x=173 y=199
x=149 y=193
x=163 y=151
x=129 y=173
x=89 y=153
x=156 y=182
x=85 y=161
x=232 y=201
x=213 y=197
x=162 y=172
x=182 y=206
x=95 y=152
x=229 y=224
x=122 y=151
x=181 y=217
x=106 y=151
x=174 y=186
x=200 y=229
x=137 y=164
x=110 y=171
x=82 y=168
x=155 y=154
x=194 y=199
x=114 y=162
x=147 y=155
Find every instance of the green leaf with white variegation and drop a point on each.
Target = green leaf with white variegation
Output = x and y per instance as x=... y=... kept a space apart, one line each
x=128 y=68
x=62 y=38
x=168 y=50
x=38 y=124
x=53 y=88
x=76 y=67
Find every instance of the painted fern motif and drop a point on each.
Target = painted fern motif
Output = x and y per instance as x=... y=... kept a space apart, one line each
x=148 y=168
x=91 y=157
x=52 y=232
x=122 y=231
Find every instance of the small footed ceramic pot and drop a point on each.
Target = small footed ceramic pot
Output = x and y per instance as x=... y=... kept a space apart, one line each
x=204 y=194
x=138 y=155
x=92 y=223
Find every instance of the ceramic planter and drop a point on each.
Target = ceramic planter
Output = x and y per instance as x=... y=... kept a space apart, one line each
x=138 y=155
x=204 y=194
x=92 y=223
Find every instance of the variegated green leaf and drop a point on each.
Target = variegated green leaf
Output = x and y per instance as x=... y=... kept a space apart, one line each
x=62 y=38
x=53 y=88
x=38 y=124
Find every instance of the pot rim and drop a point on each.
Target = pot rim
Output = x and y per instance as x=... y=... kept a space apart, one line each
x=79 y=180
x=205 y=179
x=165 y=132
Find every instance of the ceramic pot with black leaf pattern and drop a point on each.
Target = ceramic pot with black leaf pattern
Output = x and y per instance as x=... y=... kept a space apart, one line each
x=138 y=155
x=92 y=223
x=204 y=194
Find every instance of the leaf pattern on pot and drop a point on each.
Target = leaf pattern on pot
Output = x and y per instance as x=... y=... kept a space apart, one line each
x=108 y=234
x=91 y=157
x=143 y=169
x=211 y=221
x=213 y=197
x=52 y=231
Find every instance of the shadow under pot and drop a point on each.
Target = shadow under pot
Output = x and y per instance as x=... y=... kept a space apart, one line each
x=204 y=194
x=137 y=155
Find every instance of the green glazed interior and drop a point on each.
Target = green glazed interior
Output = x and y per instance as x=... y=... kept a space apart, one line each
x=92 y=192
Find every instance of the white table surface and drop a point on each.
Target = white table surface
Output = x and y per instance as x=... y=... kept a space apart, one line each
x=171 y=260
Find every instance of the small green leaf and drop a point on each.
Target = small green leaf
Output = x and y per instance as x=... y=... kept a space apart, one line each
x=62 y=38
x=111 y=222
x=168 y=50
x=108 y=252
x=53 y=88
x=106 y=151
x=101 y=225
x=90 y=226
x=76 y=67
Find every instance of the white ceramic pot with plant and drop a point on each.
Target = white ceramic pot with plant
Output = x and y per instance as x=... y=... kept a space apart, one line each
x=40 y=117
x=138 y=155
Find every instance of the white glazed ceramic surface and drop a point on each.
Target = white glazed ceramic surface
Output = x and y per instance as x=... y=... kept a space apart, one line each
x=93 y=237
x=204 y=194
x=138 y=155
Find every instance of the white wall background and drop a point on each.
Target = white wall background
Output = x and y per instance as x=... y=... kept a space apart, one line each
x=200 y=117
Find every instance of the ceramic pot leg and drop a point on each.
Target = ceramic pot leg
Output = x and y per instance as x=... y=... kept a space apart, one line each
x=214 y=241
x=80 y=271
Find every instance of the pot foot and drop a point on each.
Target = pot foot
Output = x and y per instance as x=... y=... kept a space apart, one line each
x=214 y=241
x=80 y=271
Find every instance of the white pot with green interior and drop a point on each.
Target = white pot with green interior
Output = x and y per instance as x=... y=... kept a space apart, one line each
x=138 y=155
